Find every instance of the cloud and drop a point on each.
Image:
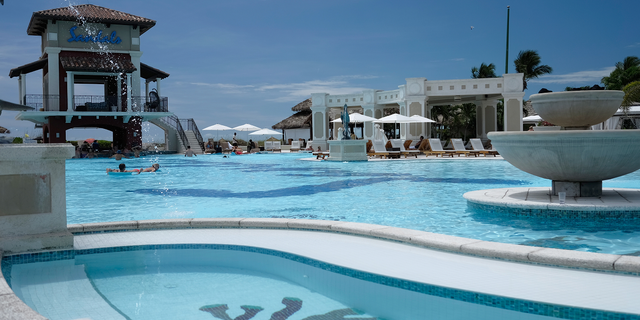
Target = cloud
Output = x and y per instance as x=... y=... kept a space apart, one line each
x=575 y=77
x=225 y=87
x=635 y=45
x=294 y=92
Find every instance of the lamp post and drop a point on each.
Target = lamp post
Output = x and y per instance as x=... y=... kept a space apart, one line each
x=506 y=62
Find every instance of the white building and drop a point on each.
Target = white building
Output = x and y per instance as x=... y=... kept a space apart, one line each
x=417 y=96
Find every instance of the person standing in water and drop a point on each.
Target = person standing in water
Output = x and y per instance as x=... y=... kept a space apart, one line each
x=189 y=152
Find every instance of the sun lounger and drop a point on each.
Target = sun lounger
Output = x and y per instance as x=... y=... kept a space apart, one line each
x=397 y=143
x=295 y=146
x=268 y=145
x=276 y=146
x=435 y=148
x=477 y=146
x=379 y=150
x=458 y=147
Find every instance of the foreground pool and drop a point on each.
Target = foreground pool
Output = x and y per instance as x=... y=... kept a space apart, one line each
x=422 y=195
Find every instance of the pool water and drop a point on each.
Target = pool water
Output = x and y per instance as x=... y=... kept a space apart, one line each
x=421 y=195
x=241 y=283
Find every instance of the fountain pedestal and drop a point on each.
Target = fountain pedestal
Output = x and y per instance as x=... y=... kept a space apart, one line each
x=348 y=150
x=33 y=213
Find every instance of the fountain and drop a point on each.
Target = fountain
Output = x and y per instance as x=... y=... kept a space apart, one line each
x=576 y=159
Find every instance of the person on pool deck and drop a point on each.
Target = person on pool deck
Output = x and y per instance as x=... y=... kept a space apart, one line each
x=189 y=152
x=123 y=168
x=153 y=168
x=118 y=156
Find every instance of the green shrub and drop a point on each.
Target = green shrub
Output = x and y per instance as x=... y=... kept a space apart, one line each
x=17 y=140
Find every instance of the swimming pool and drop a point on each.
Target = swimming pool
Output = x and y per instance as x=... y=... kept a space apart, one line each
x=422 y=195
x=212 y=273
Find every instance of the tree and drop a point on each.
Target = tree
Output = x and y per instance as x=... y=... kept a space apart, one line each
x=631 y=95
x=528 y=63
x=626 y=71
x=485 y=71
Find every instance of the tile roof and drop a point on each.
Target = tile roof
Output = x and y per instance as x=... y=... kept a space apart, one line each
x=86 y=13
x=96 y=64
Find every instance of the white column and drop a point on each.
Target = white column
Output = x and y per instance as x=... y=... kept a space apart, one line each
x=129 y=92
x=119 y=95
x=513 y=111
x=53 y=74
x=320 y=120
x=22 y=88
x=70 y=92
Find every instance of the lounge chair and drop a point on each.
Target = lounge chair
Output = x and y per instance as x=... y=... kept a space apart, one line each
x=435 y=148
x=225 y=146
x=380 y=149
x=477 y=146
x=424 y=146
x=295 y=146
x=321 y=154
x=276 y=146
x=268 y=145
x=397 y=143
x=458 y=147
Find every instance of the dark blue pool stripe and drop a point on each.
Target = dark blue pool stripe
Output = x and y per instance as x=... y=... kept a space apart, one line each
x=524 y=306
x=309 y=189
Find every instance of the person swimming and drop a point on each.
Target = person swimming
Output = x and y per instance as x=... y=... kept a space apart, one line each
x=122 y=168
x=153 y=168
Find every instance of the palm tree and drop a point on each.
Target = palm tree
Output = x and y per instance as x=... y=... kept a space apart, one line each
x=528 y=63
x=631 y=95
x=485 y=71
x=626 y=71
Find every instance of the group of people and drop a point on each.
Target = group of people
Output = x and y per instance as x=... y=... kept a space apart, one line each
x=123 y=168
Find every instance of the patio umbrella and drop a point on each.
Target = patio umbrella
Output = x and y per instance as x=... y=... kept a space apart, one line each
x=246 y=127
x=395 y=119
x=264 y=132
x=217 y=127
x=356 y=118
x=533 y=119
x=421 y=118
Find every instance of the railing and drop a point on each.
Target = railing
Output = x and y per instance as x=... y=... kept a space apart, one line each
x=43 y=102
x=51 y=102
x=174 y=122
x=191 y=125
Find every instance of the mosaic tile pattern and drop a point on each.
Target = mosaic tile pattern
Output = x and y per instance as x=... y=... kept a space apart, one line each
x=600 y=215
x=528 y=307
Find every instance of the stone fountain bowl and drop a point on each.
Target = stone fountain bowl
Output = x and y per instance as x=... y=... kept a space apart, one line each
x=577 y=109
x=577 y=156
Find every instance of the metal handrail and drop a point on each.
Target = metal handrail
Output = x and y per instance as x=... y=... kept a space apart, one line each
x=191 y=125
x=174 y=122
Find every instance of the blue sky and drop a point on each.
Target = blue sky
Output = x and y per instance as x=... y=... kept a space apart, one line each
x=249 y=61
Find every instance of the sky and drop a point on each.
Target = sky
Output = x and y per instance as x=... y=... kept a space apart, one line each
x=249 y=61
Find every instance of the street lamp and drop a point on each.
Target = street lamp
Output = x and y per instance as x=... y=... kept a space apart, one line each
x=506 y=63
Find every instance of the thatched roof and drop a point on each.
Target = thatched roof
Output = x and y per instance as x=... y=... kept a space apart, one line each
x=301 y=119
x=4 y=130
x=302 y=106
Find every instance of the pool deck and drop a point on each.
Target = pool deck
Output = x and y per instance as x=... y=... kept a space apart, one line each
x=613 y=202
x=560 y=277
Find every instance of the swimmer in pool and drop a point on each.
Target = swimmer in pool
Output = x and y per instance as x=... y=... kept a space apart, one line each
x=153 y=168
x=123 y=168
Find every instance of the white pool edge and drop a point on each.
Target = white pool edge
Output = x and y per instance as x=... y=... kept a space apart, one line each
x=13 y=308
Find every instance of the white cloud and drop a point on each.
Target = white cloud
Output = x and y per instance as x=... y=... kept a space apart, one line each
x=575 y=77
x=293 y=92
x=635 y=45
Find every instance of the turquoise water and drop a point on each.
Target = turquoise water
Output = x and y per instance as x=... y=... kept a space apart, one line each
x=422 y=195
x=242 y=283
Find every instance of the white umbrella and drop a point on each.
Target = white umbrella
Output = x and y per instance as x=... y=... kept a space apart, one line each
x=356 y=118
x=246 y=127
x=396 y=118
x=421 y=118
x=535 y=118
x=263 y=132
x=217 y=127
